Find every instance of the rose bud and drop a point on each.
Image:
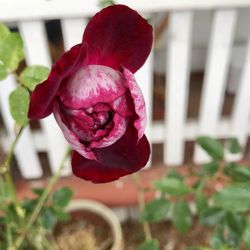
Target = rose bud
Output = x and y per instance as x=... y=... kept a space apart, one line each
x=95 y=99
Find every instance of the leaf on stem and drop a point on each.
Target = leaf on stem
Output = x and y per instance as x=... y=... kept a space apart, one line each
x=19 y=105
x=234 y=198
x=149 y=245
x=213 y=147
x=172 y=186
x=33 y=75
x=182 y=217
x=155 y=210
x=233 y=146
x=211 y=216
x=62 y=197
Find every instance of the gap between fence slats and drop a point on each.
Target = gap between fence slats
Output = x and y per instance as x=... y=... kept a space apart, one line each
x=218 y=56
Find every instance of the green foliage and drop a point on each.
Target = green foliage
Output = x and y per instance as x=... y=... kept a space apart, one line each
x=209 y=168
x=48 y=218
x=105 y=3
x=174 y=174
x=234 y=146
x=211 y=216
x=62 y=197
x=19 y=105
x=237 y=172
x=234 y=198
x=213 y=147
x=33 y=75
x=149 y=245
x=226 y=212
x=172 y=186
x=11 y=51
x=182 y=217
x=156 y=210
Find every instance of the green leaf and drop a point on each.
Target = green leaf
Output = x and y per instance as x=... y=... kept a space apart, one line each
x=11 y=51
x=182 y=217
x=211 y=216
x=209 y=168
x=29 y=205
x=61 y=215
x=213 y=147
x=201 y=201
x=237 y=172
x=236 y=223
x=33 y=75
x=156 y=210
x=172 y=186
x=149 y=245
x=4 y=31
x=234 y=146
x=216 y=241
x=62 y=197
x=246 y=236
x=3 y=71
x=105 y=3
x=234 y=198
x=19 y=105
x=48 y=218
x=38 y=191
x=174 y=174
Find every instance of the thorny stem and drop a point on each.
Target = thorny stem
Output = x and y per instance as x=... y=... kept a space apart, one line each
x=145 y=224
x=42 y=200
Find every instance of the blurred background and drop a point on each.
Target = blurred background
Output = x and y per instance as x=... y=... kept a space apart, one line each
x=195 y=82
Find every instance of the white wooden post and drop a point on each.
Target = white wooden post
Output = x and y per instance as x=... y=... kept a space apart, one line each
x=37 y=52
x=215 y=75
x=177 y=79
x=144 y=78
x=241 y=112
x=72 y=30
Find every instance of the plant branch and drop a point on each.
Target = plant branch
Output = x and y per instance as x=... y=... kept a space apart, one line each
x=42 y=200
x=145 y=224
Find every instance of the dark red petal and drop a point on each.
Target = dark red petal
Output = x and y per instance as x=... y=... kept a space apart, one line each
x=43 y=95
x=118 y=35
x=115 y=161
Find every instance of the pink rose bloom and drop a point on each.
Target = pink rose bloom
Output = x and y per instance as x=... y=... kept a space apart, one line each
x=95 y=99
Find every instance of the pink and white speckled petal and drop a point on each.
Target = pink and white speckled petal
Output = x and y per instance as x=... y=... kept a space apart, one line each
x=92 y=84
x=72 y=139
x=123 y=105
x=139 y=103
x=120 y=125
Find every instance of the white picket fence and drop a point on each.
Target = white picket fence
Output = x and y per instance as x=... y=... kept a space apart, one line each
x=29 y=16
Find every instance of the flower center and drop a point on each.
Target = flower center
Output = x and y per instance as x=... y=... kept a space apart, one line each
x=90 y=124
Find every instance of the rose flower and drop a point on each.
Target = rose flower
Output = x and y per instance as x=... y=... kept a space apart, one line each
x=95 y=99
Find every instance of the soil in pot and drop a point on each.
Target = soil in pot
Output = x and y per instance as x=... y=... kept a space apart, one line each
x=85 y=231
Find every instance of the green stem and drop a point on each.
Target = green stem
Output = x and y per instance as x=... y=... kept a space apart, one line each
x=42 y=200
x=145 y=224
x=6 y=167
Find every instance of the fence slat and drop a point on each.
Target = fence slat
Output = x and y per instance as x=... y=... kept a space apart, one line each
x=37 y=52
x=241 y=111
x=144 y=78
x=72 y=30
x=25 y=151
x=215 y=75
x=177 y=79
